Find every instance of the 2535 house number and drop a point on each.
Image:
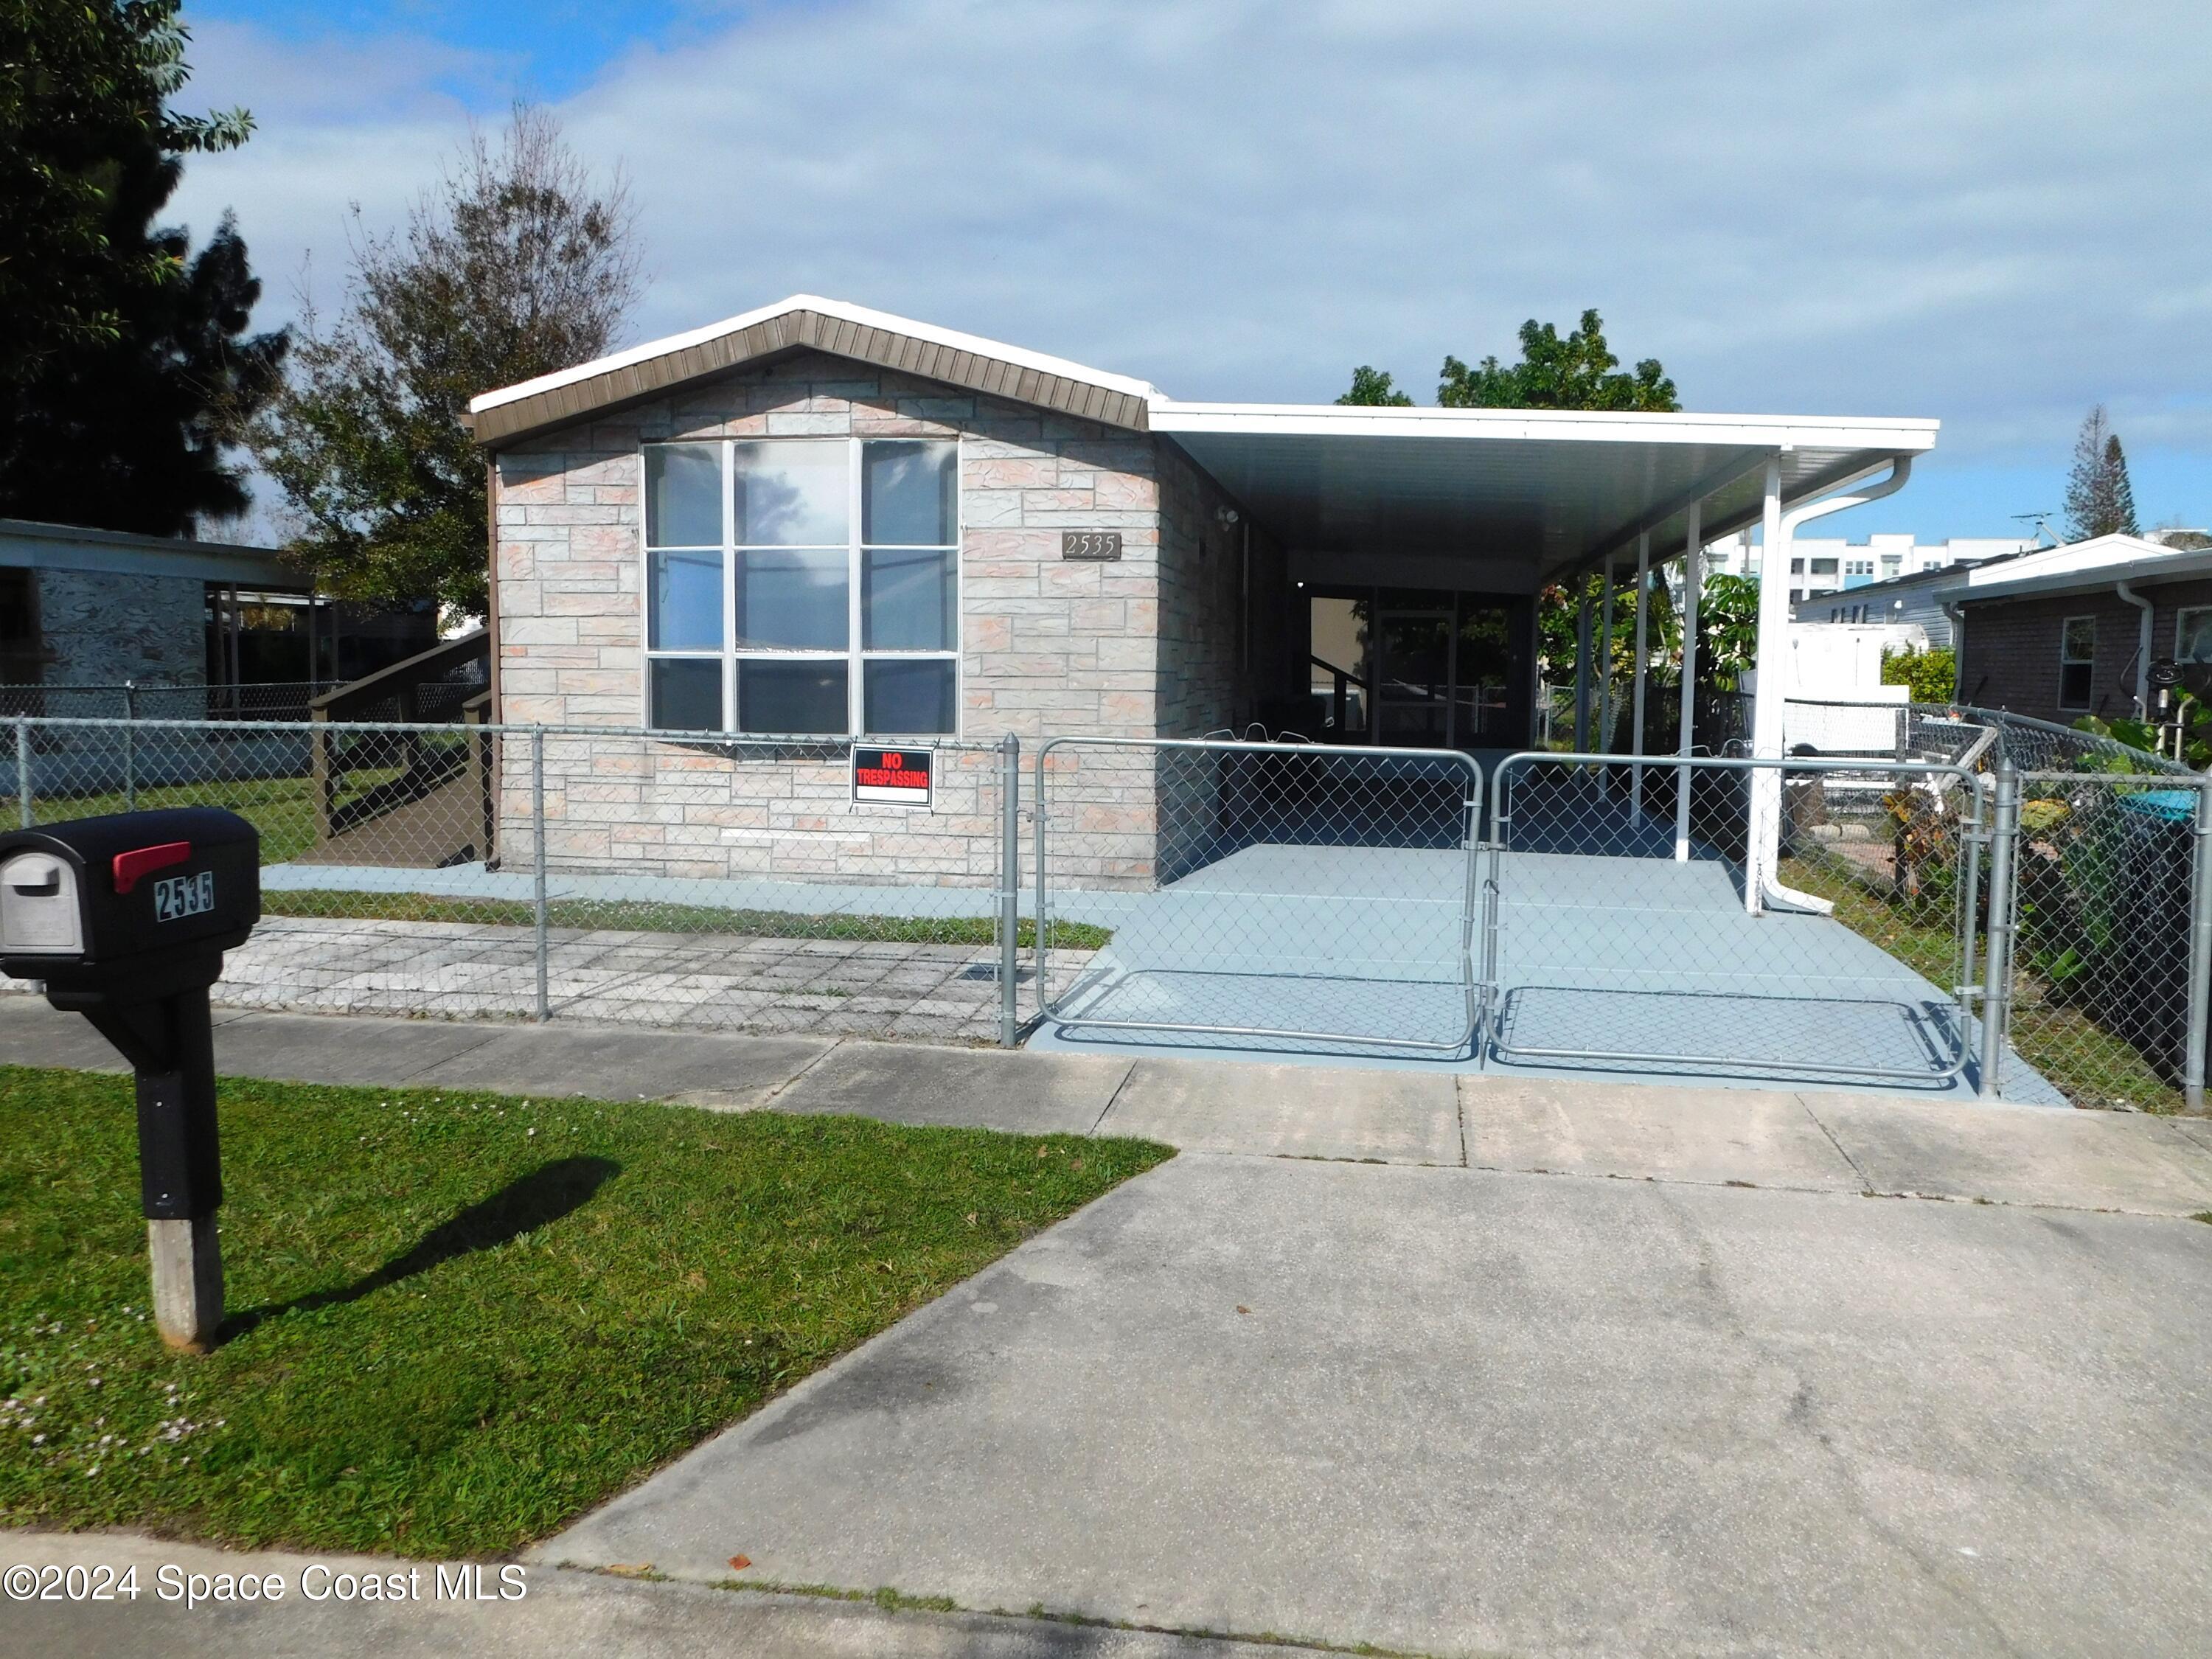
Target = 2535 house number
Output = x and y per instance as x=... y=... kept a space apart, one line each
x=184 y=895
x=1089 y=543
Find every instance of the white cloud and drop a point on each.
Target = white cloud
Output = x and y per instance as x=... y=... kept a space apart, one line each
x=1995 y=213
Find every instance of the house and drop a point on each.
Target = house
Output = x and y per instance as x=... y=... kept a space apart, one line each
x=83 y=608
x=1924 y=601
x=2059 y=637
x=815 y=522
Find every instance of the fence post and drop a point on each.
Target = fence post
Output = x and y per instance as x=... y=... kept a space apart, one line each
x=1996 y=968
x=538 y=861
x=23 y=768
x=130 y=747
x=1010 y=874
x=2200 y=953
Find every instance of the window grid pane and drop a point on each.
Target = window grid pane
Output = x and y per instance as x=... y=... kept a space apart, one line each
x=786 y=564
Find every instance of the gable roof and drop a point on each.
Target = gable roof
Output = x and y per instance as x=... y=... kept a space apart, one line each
x=801 y=322
x=2074 y=567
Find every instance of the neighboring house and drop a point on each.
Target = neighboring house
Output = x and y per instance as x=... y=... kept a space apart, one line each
x=816 y=521
x=2061 y=638
x=83 y=607
x=1923 y=601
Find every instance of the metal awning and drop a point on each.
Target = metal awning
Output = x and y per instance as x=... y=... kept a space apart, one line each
x=1527 y=496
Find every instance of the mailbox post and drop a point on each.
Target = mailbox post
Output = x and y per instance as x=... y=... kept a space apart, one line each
x=126 y=920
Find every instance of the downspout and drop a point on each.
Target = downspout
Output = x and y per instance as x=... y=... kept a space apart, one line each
x=1767 y=787
x=2142 y=648
x=1957 y=614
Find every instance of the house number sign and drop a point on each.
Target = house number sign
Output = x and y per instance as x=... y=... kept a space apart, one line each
x=1089 y=543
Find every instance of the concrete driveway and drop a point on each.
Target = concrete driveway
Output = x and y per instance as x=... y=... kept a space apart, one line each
x=1456 y=1410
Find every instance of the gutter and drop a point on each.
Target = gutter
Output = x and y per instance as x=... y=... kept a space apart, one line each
x=1771 y=890
x=2143 y=648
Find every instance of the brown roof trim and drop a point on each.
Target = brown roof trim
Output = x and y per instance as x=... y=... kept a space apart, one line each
x=795 y=331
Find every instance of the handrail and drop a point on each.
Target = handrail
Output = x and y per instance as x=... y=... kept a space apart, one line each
x=404 y=678
x=1345 y=674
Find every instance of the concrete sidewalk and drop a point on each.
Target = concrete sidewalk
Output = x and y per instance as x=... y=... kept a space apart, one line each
x=1883 y=1144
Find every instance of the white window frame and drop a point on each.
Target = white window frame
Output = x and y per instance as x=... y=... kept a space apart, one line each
x=2181 y=632
x=2066 y=661
x=855 y=656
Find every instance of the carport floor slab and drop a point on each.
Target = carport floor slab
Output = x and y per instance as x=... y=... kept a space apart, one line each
x=1448 y=1411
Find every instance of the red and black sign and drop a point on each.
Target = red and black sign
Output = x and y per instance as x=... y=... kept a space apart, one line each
x=891 y=777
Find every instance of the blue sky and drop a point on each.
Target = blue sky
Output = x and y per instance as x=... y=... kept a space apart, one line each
x=1996 y=212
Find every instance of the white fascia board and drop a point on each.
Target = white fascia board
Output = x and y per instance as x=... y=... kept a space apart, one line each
x=974 y=344
x=2095 y=577
x=1903 y=436
x=256 y=568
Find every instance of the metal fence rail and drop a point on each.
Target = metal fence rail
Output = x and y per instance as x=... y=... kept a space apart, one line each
x=1286 y=895
x=1296 y=894
x=1624 y=935
x=616 y=874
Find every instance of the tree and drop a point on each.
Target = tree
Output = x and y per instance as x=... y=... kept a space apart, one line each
x=1577 y=372
x=515 y=264
x=1728 y=629
x=1371 y=386
x=2099 y=499
x=1933 y=674
x=124 y=371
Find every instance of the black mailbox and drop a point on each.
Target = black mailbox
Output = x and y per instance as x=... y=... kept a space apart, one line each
x=115 y=904
x=126 y=919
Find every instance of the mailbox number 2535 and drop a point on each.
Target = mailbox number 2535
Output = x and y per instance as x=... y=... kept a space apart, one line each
x=184 y=895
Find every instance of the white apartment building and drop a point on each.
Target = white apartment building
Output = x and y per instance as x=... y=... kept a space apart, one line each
x=1822 y=565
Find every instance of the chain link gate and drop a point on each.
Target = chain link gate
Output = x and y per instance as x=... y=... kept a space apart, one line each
x=1299 y=894
x=1620 y=935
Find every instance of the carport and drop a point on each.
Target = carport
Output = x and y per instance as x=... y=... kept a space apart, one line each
x=1600 y=895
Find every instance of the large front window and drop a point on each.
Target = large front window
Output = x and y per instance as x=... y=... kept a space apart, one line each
x=803 y=586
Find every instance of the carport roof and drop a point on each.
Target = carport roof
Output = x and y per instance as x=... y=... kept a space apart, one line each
x=1547 y=490
x=1532 y=493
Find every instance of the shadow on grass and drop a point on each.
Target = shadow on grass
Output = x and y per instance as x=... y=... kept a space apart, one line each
x=545 y=1194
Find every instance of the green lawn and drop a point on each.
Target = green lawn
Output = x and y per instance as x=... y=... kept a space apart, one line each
x=458 y=1320
x=282 y=808
x=2090 y=1065
x=643 y=916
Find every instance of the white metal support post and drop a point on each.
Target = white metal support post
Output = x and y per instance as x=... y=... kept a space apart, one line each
x=1583 y=666
x=1643 y=670
x=1604 y=744
x=1693 y=580
x=1763 y=855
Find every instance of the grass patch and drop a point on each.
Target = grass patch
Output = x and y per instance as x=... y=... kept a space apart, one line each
x=282 y=808
x=458 y=1320
x=646 y=917
x=2090 y=1065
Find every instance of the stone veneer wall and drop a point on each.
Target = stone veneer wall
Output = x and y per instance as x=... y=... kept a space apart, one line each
x=1048 y=645
x=106 y=627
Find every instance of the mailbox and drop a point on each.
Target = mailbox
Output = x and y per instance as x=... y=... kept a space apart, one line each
x=115 y=904
x=126 y=920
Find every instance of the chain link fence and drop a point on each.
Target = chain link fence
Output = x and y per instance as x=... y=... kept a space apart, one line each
x=276 y=699
x=1294 y=896
x=1286 y=895
x=1628 y=936
x=455 y=871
